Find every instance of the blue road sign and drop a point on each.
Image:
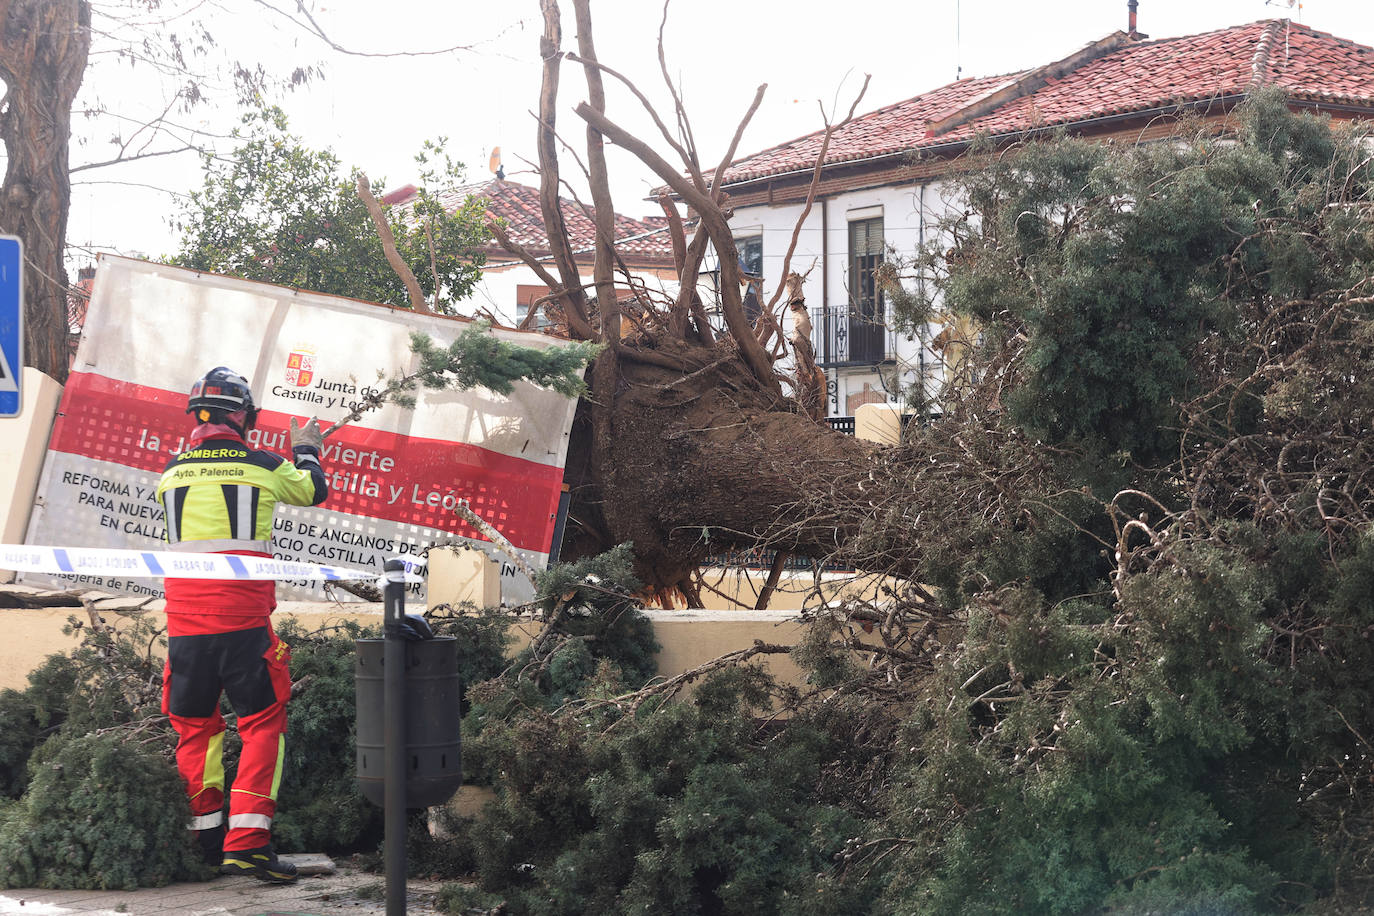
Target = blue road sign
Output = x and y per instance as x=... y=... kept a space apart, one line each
x=11 y=324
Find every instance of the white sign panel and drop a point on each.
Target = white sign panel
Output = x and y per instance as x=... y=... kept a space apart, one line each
x=396 y=475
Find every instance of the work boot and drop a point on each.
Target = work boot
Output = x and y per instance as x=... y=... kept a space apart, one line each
x=262 y=863
x=210 y=842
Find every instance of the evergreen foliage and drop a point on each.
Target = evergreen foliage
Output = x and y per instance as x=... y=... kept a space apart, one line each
x=19 y=731
x=28 y=716
x=1138 y=679
x=112 y=677
x=319 y=806
x=1181 y=729
x=102 y=811
x=478 y=359
x=692 y=807
x=598 y=619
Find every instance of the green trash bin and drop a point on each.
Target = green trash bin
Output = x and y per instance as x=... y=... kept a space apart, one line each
x=434 y=766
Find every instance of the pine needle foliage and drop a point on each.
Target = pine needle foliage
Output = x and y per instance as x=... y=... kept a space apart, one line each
x=1159 y=701
x=478 y=359
x=112 y=677
x=692 y=807
x=101 y=812
x=29 y=716
x=597 y=618
x=1134 y=676
x=319 y=807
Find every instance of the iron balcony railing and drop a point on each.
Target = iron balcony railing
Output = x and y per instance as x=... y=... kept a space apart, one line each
x=761 y=559
x=845 y=336
x=841 y=424
x=846 y=424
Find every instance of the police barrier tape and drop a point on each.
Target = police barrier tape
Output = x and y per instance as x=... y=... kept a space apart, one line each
x=167 y=564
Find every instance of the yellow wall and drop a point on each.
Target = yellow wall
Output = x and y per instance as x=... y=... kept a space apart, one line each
x=689 y=638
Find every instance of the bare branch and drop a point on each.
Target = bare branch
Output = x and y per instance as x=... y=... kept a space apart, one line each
x=811 y=193
x=713 y=220
x=729 y=156
x=687 y=157
x=684 y=126
x=489 y=531
x=314 y=28
x=550 y=44
x=393 y=257
x=121 y=158
x=603 y=217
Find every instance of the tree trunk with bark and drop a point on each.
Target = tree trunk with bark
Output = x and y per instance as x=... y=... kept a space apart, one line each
x=43 y=49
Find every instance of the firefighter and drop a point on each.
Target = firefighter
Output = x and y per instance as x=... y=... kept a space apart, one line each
x=219 y=495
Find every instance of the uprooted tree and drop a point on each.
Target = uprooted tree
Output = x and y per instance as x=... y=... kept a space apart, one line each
x=701 y=440
x=692 y=441
x=1137 y=676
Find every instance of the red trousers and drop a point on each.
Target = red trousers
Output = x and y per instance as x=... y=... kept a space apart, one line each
x=250 y=667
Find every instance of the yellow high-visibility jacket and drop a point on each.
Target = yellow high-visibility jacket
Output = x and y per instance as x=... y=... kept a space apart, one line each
x=219 y=497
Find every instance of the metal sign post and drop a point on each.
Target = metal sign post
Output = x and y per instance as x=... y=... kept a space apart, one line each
x=408 y=741
x=394 y=705
x=11 y=325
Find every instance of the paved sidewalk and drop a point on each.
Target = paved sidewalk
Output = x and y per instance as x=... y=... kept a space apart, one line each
x=348 y=893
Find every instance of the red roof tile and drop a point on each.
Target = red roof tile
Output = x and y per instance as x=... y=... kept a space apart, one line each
x=1136 y=77
x=518 y=206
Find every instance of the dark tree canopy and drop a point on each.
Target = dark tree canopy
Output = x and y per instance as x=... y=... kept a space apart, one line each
x=275 y=210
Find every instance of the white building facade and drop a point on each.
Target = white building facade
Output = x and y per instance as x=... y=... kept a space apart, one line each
x=883 y=185
x=839 y=247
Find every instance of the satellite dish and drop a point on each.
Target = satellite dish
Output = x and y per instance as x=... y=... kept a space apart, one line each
x=495 y=163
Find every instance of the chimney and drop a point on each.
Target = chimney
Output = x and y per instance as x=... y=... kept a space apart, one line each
x=1130 y=17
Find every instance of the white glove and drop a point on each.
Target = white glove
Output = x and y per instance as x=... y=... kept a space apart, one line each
x=308 y=435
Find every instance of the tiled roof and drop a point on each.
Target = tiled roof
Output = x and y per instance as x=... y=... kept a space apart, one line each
x=518 y=206
x=1130 y=77
x=896 y=128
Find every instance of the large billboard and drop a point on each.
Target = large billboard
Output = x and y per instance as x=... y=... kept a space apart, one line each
x=396 y=475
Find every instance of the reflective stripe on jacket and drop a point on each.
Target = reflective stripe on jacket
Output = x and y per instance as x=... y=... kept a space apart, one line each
x=219 y=497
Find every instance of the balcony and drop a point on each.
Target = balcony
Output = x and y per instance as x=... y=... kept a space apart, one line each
x=761 y=559
x=841 y=424
x=845 y=336
x=846 y=424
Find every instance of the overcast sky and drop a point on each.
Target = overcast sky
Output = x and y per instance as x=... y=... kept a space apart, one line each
x=375 y=112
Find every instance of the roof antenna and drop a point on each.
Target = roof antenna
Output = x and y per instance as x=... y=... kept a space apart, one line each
x=1288 y=3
